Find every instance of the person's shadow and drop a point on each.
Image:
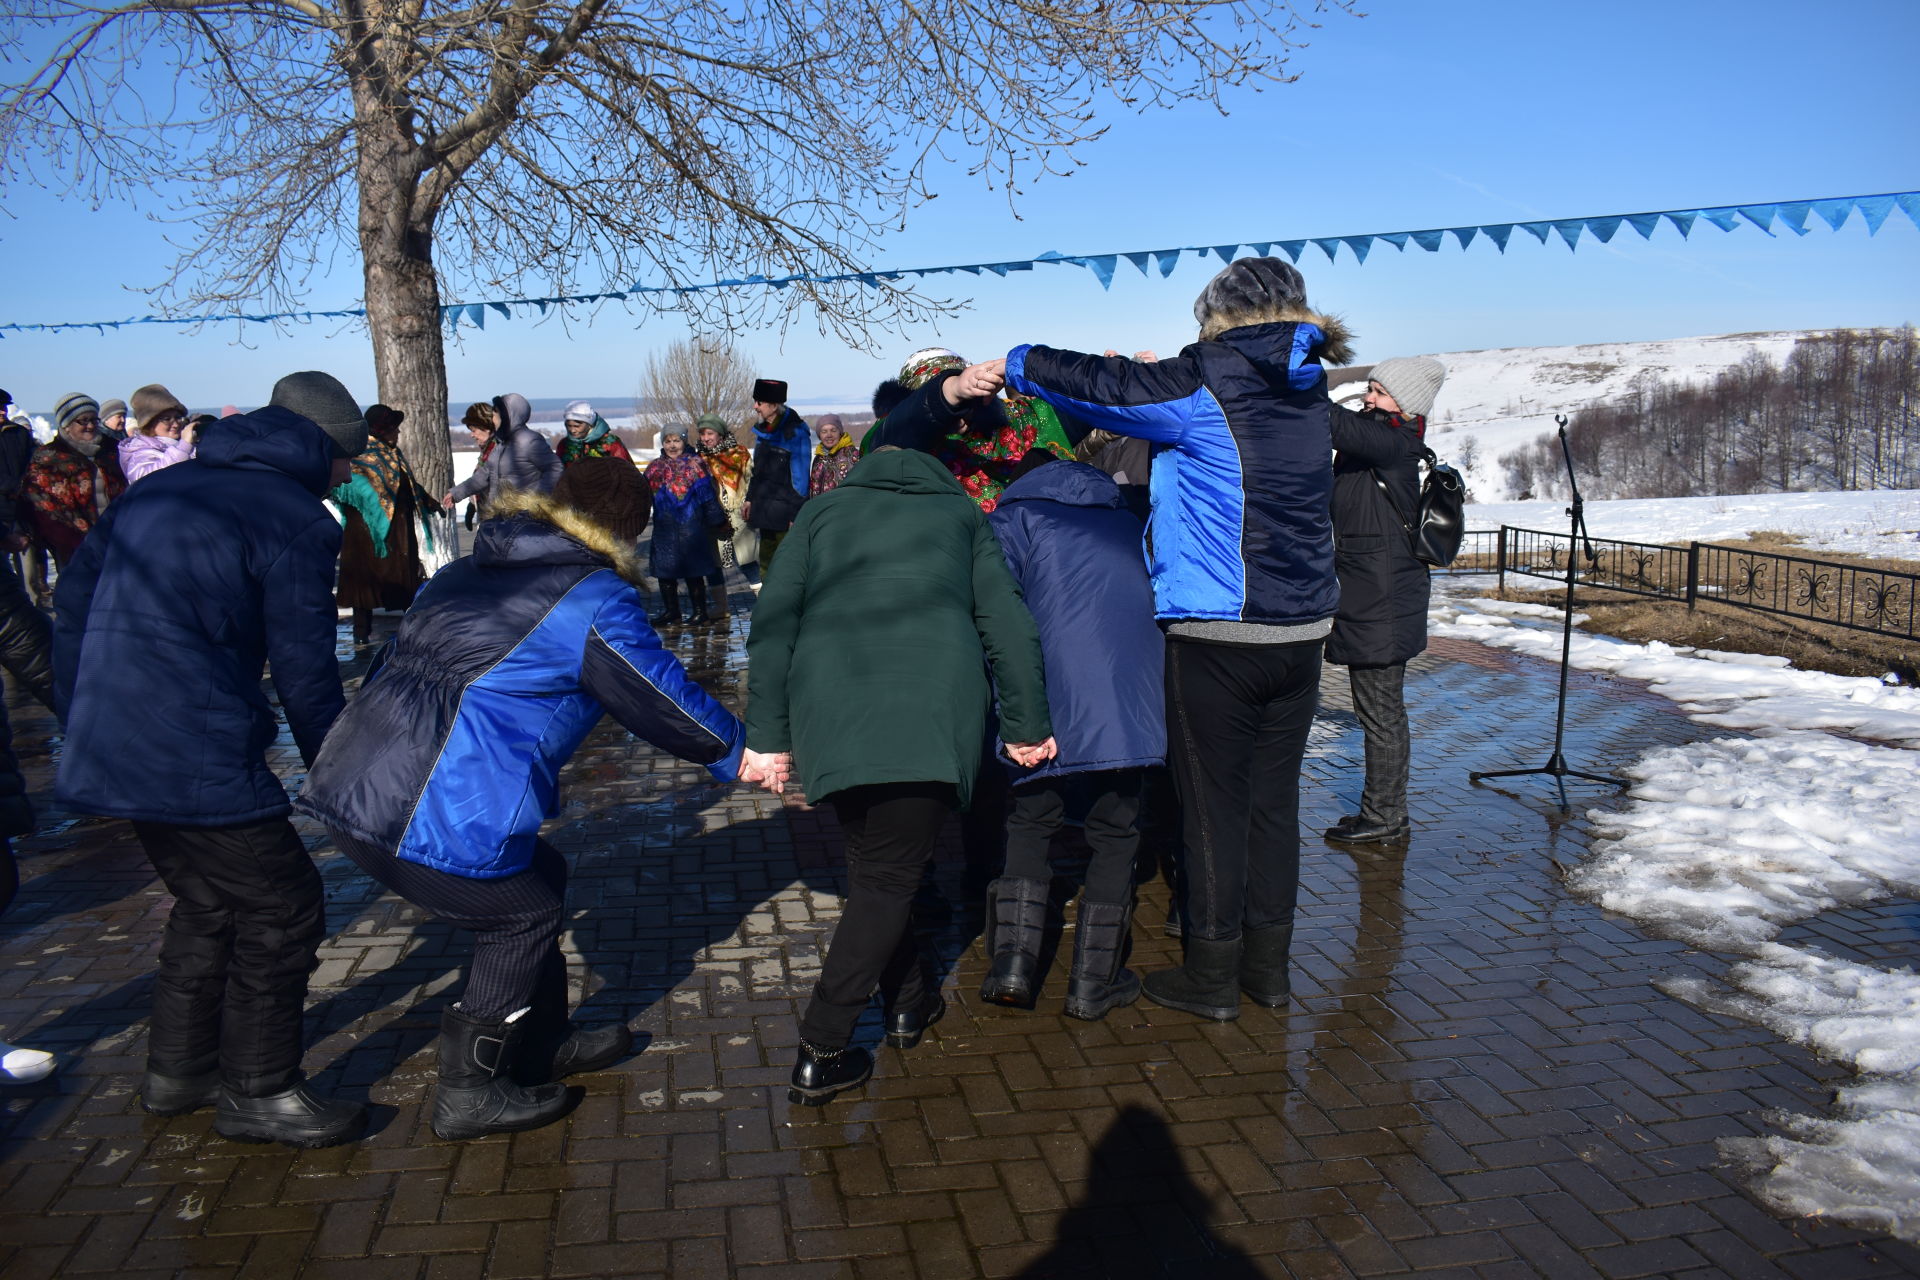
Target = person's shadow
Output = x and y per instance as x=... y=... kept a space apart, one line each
x=1141 y=1216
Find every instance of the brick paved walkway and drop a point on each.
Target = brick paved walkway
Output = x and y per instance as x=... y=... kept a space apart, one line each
x=1477 y=1076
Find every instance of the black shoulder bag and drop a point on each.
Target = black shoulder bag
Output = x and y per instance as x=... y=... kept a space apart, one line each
x=1441 y=523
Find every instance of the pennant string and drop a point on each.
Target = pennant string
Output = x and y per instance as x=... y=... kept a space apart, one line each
x=1834 y=211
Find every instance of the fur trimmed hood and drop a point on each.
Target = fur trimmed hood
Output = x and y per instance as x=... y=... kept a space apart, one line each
x=571 y=523
x=1336 y=349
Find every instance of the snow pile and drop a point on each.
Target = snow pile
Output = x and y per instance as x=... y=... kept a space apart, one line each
x=1723 y=843
x=1875 y=522
x=1863 y=1165
x=1733 y=691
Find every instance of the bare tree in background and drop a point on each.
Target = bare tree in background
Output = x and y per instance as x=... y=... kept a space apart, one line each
x=558 y=146
x=692 y=377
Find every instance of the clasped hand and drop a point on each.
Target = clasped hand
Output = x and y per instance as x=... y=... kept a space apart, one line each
x=770 y=769
x=1029 y=754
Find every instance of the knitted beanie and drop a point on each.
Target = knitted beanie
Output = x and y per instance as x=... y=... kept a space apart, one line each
x=579 y=411
x=150 y=401
x=322 y=400
x=1251 y=286
x=71 y=406
x=1413 y=382
x=110 y=407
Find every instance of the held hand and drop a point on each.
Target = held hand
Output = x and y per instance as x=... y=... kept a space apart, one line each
x=1031 y=754
x=446 y=503
x=975 y=382
x=770 y=769
x=1146 y=357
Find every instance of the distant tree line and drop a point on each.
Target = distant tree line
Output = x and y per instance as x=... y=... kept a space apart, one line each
x=1842 y=412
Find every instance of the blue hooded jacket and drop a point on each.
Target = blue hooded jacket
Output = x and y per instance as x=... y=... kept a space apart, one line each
x=1074 y=548
x=1242 y=464
x=450 y=755
x=193 y=582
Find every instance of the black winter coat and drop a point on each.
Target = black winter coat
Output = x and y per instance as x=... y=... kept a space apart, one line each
x=169 y=613
x=781 y=459
x=1383 y=588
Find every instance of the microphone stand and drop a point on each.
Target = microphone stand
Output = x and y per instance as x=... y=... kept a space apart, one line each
x=1556 y=765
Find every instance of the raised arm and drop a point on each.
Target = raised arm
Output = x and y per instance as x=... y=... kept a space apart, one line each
x=1157 y=401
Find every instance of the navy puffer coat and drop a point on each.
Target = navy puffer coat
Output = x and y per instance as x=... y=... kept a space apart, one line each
x=190 y=585
x=1075 y=551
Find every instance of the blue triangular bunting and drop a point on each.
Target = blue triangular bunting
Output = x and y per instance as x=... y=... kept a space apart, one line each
x=1398 y=239
x=1465 y=236
x=1875 y=210
x=1761 y=215
x=1569 y=229
x=1263 y=249
x=1794 y=214
x=478 y=315
x=1682 y=220
x=1538 y=230
x=1644 y=223
x=1835 y=212
x=1102 y=266
x=1329 y=247
x=1226 y=251
x=1359 y=245
x=501 y=307
x=1603 y=228
x=1725 y=219
x=1168 y=260
x=1429 y=240
x=1139 y=260
x=1051 y=255
x=1910 y=205
x=1293 y=248
x=1498 y=233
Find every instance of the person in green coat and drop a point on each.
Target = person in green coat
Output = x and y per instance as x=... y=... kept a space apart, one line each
x=864 y=667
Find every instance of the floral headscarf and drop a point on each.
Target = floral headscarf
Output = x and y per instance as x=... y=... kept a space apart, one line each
x=675 y=475
x=985 y=464
x=728 y=460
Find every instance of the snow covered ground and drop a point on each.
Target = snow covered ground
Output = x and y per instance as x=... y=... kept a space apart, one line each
x=1876 y=522
x=1724 y=843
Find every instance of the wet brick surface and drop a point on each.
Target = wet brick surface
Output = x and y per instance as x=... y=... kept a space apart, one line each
x=1476 y=1078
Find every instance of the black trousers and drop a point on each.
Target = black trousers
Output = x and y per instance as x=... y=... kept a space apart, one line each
x=1380 y=704
x=515 y=921
x=248 y=916
x=1237 y=723
x=890 y=829
x=1111 y=801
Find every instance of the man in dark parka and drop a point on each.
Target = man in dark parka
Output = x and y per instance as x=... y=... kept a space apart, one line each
x=1382 y=622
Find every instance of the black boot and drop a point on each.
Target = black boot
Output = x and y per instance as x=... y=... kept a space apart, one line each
x=164 y=1095
x=553 y=1046
x=1102 y=937
x=1263 y=965
x=905 y=1026
x=1016 y=925
x=821 y=1073
x=697 y=601
x=296 y=1116
x=1208 y=984
x=669 y=613
x=475 y=1095
x=1364 y=831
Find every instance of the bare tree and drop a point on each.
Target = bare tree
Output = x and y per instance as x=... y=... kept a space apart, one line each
x=555 y=146
x=692 y=377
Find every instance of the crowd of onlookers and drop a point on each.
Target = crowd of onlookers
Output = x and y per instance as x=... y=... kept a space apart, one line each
x=962 y=613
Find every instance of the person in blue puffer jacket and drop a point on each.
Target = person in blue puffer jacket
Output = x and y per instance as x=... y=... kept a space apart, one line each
x=213 y=569
x=1074 y=549
x=1241 y=551
x=436 y=778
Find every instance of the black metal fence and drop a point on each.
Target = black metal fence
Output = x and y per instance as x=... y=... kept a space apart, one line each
x=1883 y=601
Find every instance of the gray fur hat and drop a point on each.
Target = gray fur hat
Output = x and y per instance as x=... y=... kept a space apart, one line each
x=1412 y=381
x=1251 y=286
x=324 y=401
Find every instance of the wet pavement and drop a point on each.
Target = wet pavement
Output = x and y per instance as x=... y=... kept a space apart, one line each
x=1477 y=1076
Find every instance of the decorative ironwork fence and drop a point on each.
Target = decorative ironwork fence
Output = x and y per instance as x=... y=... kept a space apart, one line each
x=1883 y=601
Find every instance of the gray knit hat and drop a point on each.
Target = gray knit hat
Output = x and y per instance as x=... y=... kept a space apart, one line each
x=1251 y=287
x=110 y=407
x=322 y=400
x=1413 y=382
x=73 y=405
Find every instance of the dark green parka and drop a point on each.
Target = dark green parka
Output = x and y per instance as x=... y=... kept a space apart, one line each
x=865 y=655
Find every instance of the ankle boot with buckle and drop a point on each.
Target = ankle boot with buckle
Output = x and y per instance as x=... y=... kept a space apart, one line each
x=1016 y=925
x=476 y=1095
x=821 y=1073
x=1263 y=965
x=1100 y=980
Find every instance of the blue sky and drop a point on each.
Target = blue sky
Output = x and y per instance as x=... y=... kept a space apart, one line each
x=1417 y=115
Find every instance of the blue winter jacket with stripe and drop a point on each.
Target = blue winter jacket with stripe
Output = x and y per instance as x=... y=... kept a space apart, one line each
x=451 y=753
x=1242 y=475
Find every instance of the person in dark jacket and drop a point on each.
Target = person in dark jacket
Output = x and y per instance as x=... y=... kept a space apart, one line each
x=782 y=465
x=686 y=516
x=1075 y=552
x=1382 y=621
x=1242 y=562
x=865 y=672
x=17 y=1065
x=380 y=546
x=209 y=570
x=436 y=780
x=520 y=458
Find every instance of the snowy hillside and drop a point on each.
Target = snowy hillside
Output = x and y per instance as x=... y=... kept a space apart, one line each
x=1506 y=397
x=1873 y=522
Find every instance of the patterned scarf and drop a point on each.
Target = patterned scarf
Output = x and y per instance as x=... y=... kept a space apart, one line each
x=380 y=476
x=727 y=460
x=985 y=464
x=592 y=445
x=676 y=476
